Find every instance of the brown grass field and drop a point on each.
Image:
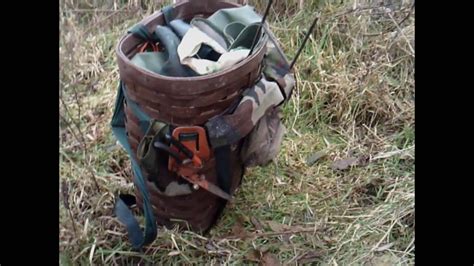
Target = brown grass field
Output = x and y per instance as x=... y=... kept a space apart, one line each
x=354 y=101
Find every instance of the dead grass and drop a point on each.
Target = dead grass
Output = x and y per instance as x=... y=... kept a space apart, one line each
x=354 y=98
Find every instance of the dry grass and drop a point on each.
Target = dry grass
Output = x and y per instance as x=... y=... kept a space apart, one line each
x=355 y=97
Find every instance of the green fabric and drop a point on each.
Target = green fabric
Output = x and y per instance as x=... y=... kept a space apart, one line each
x=244 y=38
x=168 y=13
x=273 y=89
x=118 y=129
x=237 y=25
x=151 y=61
x=125 y=216
x=146 y=153
x=164 y=63
x=223 y=17
x=180 y=27
x=233 y=30
x=141 y=32
x=170 y=41
x=211 y=31
x=276 y=63
x=143 y=118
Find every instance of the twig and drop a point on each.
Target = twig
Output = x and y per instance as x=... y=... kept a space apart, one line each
x=408 y=15
x=83 y=142
x=391 y=153
x=65 y=190
x=69 y=115
x=85 y=151
x=98 y=10
x=365 y=8
x=403 y=34
x=191 y=244
x=252 y=235
x=394 y=27
x=105 y=19
x=305 y=230
x=351 y=10
x=68 y=125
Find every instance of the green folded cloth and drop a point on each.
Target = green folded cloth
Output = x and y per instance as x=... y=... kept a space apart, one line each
x=237 y=26
x=167 y=62
x=151 y=61
x=232 y=29
x=211 y=31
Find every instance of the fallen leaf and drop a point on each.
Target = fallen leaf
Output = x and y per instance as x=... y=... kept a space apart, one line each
x=309 y=257
x=239 y=231
x=256 y=223
x=343 y=164
x=313 y=158
x=253 y=255
x=283 y=228
x=277 y=227
x=268 y=259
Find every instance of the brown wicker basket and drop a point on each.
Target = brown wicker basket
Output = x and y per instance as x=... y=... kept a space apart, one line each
x=185 y=101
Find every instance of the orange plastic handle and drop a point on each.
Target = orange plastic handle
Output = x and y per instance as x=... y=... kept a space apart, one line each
x=199 y=147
